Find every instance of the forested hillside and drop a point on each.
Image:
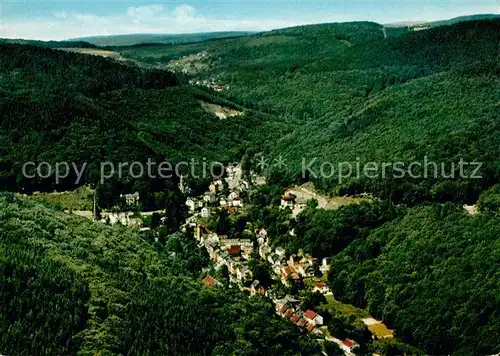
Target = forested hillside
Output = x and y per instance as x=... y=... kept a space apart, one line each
x=342 y=91
x=65 y=107
x=430 y=272
x=408 y=253
x=72 y=286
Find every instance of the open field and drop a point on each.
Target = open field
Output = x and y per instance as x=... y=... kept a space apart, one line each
x=346 y=310
x=95 y=52
x=222 y=112
x=306 y=192
x=79 y=199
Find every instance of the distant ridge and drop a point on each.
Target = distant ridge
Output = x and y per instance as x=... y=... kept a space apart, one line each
x=442 y=22
x=135 y=39
x=49 y=44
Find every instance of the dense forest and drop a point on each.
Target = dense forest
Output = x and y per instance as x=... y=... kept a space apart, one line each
x=105 y=112
x=409 y=253
x=431 y=271
x=343 y=93
x=71 y=286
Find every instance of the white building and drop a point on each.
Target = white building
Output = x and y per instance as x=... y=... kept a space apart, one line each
x=209 y=198
x=237 y=202
x=205 y=212
x=191 y=204
x=287 y=201
x=131 y=199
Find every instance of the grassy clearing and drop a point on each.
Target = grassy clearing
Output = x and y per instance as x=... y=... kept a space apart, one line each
x=334 y=307
x=79 y=199
x=381 y=331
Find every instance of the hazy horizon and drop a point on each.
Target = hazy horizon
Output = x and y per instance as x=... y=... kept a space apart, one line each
x=29 y=19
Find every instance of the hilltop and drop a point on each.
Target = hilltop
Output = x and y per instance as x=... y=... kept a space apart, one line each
x=138 y=39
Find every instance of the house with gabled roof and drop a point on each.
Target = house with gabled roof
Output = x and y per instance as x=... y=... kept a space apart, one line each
x=191 y=204
x=256 y=288
x=302 y=322
x=321 y=287
x=349 y=345
x=287 y=201
x=234 y=250
x=237 y=202
x=312 y=317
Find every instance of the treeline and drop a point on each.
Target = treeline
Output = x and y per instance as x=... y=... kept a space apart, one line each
x=91 y=289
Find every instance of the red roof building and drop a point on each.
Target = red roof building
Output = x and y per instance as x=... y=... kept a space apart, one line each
x=295 y=318
x=302 y=322
x=349 y=342
x=283 y=309
x=234 y=250
x=289 y=313
x=321 y=285
x=209 y=281
x=309 y=314
x=295 y=276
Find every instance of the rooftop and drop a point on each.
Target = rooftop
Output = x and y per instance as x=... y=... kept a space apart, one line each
x=310 y=314
x=349 y=342
x=209 y=281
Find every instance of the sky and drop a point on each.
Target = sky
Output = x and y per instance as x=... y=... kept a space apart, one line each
x=63 y=19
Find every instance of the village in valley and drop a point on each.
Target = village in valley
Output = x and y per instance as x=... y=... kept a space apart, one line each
x=290 y=279
x=300 y=272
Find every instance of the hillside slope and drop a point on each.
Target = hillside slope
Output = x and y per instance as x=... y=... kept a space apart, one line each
x=433 y=274
x=64 y=107
x=342 y=91
x=71 y=286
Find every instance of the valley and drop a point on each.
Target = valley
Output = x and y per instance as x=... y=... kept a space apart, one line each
x=277 y=259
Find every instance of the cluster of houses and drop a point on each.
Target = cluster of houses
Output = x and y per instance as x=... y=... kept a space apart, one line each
x=211 y=84
x=233 y=253
x=288 y=307
x=215 y=196
x=236 y=253
x=210 y=200
x=292 y=269
x=310 y=320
